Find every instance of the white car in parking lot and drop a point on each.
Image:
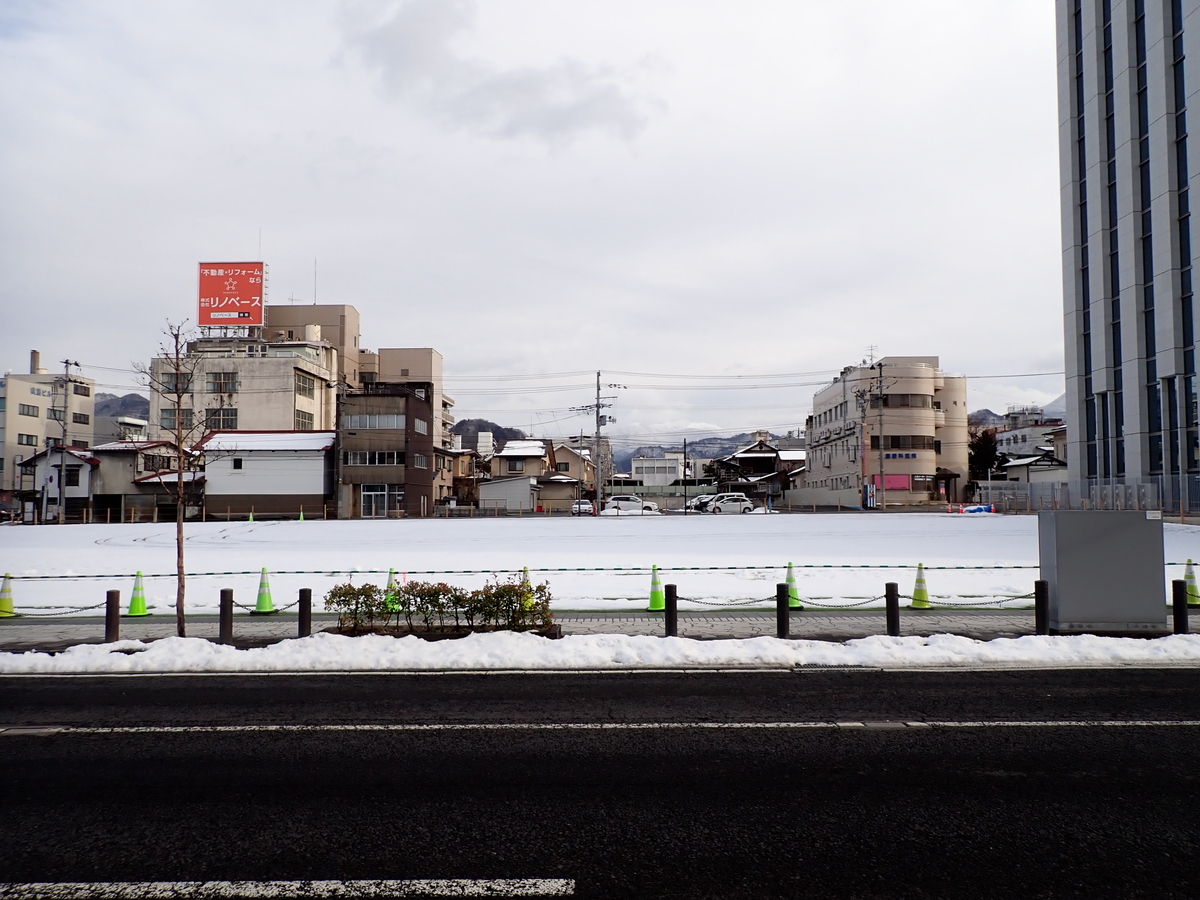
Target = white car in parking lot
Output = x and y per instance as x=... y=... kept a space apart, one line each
x=630 y=503
x=730 y=503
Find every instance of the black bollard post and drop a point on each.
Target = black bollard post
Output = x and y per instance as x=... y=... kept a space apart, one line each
x=783 y=616
x=891 y=599
x=226 y=626
x=671 y=601
x=1041 y=607
x=305 y=624
x=112 y=617
x=1179 y=609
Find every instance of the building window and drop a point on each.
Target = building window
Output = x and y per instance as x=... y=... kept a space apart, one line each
x=420 y=426
x=3 y=404
x=420 y=461
x=516 y=465
x=1 y=465
x=305 y=386
x=176 y=382
x=224 y=419
x=81 y=418
x=304 y=420
x=368 y=421
x=237 y=462
x=72 y=477
x=922 y=482
x=155 y=462
x=81 y=389
x=562 y=467
x=54 y=442
x=372 y=457
x=167 y=420
x=25 y=409
x=221 y=383
x=55 y=414
x=75 y=442
x=27 y=440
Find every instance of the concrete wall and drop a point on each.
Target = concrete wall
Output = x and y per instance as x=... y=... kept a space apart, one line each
x=339 y=326
x=806 y=497
x=507 y=493
x=265 y=473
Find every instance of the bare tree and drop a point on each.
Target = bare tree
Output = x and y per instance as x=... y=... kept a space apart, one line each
x=171 y=378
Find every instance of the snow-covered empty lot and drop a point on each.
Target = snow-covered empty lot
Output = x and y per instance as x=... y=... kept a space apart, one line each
x=758 y=546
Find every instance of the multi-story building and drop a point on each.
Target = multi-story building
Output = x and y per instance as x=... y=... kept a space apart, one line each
x=37 y=411
x=415 y=365
x=1125 y=82
x=894 y=432
x=387 y=463
x=339 y=324
x=1024 y=430
x=248 y=384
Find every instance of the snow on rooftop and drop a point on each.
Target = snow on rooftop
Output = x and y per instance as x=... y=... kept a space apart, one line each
x=238 y=441
x=128 y=445
x=523 y=448
x=793 y=455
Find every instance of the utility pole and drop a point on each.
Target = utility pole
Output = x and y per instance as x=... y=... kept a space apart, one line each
x=601 y=420
x=685 y=469
x=62 y=465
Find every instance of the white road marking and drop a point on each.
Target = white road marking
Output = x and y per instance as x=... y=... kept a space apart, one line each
x=46 y=730
x=204 y=890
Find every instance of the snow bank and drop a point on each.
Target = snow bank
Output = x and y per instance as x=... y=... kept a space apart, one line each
x=482 y=652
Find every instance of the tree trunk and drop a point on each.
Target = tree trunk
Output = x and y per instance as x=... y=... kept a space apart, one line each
x=180 y=510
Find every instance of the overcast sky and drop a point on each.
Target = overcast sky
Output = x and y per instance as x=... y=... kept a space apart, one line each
x=536 y=187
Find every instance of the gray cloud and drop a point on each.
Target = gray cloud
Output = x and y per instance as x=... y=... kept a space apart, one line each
x=412 y=52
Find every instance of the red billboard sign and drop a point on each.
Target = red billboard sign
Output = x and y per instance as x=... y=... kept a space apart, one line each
x=231 y=293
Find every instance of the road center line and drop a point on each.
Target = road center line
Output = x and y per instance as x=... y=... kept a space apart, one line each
x=204 y=890
x=46 y=730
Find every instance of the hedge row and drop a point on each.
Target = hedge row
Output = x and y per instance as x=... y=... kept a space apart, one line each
x=514 y=605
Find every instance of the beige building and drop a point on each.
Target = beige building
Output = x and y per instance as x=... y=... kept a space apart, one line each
x=248 y=384
x=406 y=365
x=338 y=323
x=34 y=408
x=894 y=432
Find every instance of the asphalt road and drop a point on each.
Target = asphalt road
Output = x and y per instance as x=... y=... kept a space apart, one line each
x=876 y=810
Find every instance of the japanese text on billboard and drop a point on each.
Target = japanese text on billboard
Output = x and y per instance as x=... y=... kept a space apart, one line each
x=231 y=293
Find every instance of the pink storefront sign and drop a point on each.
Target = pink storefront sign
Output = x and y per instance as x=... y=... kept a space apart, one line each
x=893 y=482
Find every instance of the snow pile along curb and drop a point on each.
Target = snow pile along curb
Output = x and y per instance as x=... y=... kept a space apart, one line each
x=506 y=651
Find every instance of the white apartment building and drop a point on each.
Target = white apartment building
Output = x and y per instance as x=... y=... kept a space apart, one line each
x=894 y=432
x=35 y=413
x=658 y=472
x=248 y=384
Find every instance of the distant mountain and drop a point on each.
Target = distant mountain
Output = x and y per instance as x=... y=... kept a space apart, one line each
x=704 y=448
x=985 y=418
x=1057 y=407
x=133 y=405
x=469 y=430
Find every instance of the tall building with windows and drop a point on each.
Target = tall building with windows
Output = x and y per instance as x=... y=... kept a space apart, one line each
x=1124 y=87
x=37 y=411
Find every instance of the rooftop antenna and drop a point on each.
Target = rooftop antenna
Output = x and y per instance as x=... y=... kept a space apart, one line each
x=314 y=281
x=871 y=349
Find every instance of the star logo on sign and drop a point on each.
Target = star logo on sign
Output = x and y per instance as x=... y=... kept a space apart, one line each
x=231 y=285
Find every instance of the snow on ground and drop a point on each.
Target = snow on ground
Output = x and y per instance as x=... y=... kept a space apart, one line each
x=327 y=652
x=761 y=546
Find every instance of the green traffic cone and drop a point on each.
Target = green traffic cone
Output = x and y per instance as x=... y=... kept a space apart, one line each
x=920 y=594
x=264 y=606
x=793 y=592
x=251 y=519
x=302 y=514
x=389 y=592
x=657 y=601
x=525 y=575
x=6 y=600
x=1189 y=576
x=137 y=603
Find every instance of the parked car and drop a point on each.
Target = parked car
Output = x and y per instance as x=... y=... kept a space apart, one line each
x=700 y=503
x=582 y=508
x=727 y=503
x=630 y=503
